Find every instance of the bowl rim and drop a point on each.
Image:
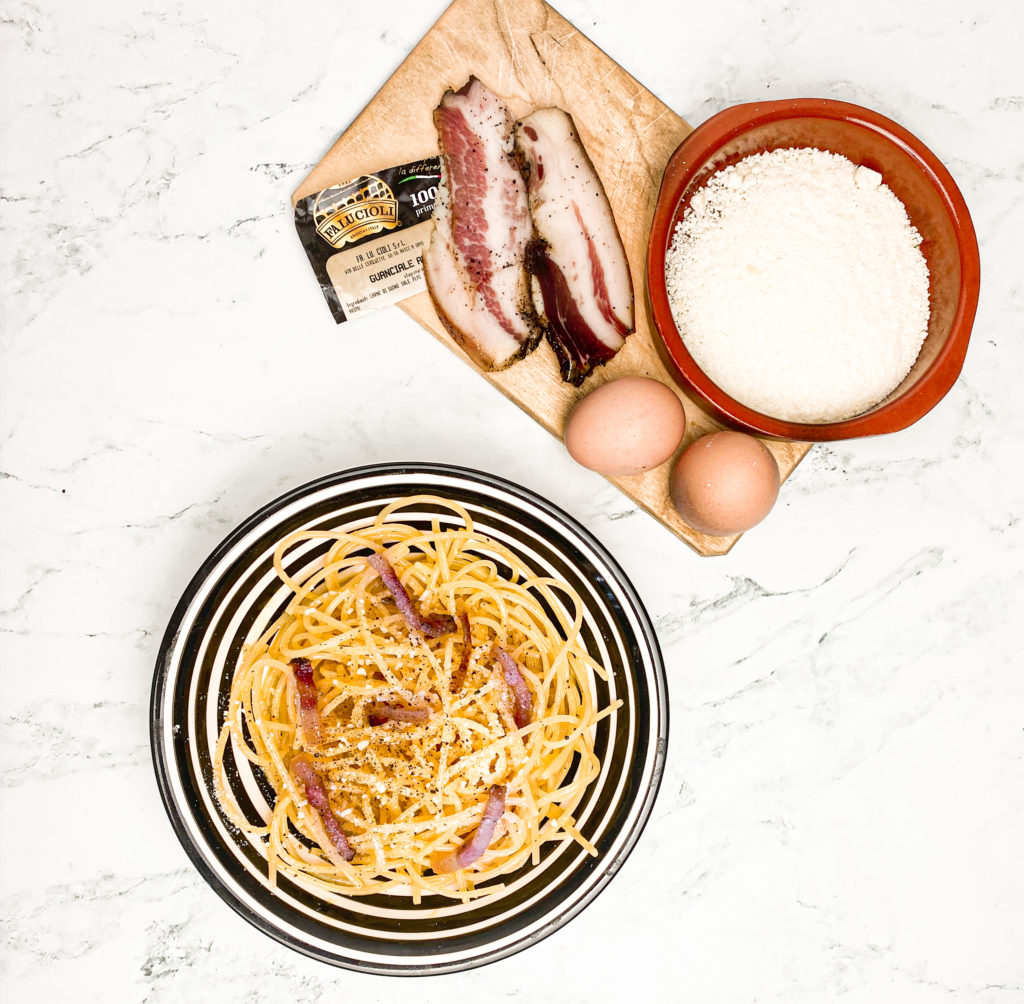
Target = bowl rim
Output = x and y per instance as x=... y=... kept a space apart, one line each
x=659 y=714
x=933 y=384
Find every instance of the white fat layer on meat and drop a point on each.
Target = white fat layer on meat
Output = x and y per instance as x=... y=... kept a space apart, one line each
x=537 y=294
x=568 y=178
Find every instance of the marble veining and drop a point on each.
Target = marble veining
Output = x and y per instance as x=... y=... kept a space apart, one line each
x=843 y=806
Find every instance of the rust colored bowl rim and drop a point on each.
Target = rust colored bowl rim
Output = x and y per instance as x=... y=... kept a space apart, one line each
x=940 y=376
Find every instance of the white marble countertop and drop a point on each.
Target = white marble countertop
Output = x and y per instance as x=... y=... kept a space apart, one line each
x=843 y=808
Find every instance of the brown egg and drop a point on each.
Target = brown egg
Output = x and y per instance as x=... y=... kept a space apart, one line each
x=626 y=426
x=724 y=483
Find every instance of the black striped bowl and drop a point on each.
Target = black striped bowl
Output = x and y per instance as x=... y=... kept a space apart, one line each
x=236 y=594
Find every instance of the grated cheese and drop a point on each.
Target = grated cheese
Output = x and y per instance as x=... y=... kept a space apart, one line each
x=798 y=285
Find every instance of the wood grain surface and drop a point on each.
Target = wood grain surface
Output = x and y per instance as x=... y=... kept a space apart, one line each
x=532 y=57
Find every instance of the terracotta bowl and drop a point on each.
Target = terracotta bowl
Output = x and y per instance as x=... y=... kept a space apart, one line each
x=915 y=175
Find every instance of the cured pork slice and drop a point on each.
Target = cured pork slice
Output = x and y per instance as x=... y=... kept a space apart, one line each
x=577 y=260
x=522 y=698
x=475 y=263
x=478 y=841
x=303 y=769
x=431 y=625
x=306 y=701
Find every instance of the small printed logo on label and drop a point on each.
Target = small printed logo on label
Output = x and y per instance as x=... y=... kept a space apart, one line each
x=348 y=213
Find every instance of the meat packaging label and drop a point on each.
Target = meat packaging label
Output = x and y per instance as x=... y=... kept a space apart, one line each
x=365 y=238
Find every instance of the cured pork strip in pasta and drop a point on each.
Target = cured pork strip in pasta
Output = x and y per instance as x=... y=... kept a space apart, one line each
x=578 y=260
x=306 y=701
x=432 y=625
x=475 y=261
x=303 y=770
x=477 y=842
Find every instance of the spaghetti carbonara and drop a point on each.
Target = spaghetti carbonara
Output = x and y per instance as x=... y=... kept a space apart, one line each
x=423 y=711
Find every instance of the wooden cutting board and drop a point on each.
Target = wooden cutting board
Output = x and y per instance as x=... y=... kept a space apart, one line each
x=532 y=57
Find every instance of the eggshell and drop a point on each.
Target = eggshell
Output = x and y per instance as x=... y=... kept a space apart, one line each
x=724 y=483
x=625 y=426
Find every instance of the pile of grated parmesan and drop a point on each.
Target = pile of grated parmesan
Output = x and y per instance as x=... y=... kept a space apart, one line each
x=798 y=285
